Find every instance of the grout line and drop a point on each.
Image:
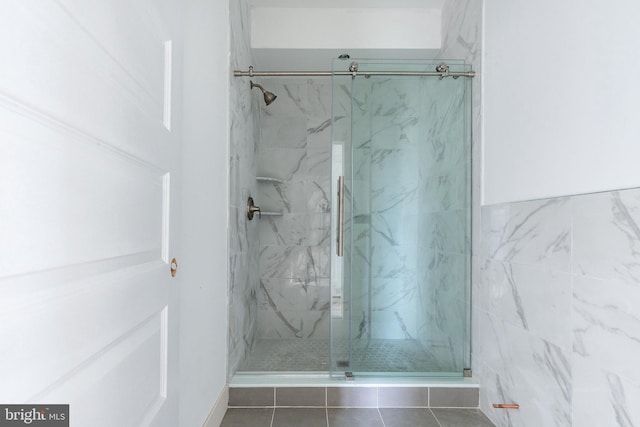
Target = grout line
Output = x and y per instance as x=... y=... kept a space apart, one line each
x=463 y=408
x=414 y=407
x=299 y=406
x=378 y=405
x=434 y=416
x=571 y=237
x=273 y=415
x=380 y=415
x=351 y=407
x=326 y=415
x=250 y=407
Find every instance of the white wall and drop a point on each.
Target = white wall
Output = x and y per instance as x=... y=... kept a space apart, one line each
x=204 y=254
x=330 y=28
x=560 y=98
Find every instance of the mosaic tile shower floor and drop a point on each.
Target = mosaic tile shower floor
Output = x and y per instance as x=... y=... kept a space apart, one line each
x=376 y=355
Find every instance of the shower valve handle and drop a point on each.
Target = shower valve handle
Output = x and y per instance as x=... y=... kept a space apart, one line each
x=252 y=209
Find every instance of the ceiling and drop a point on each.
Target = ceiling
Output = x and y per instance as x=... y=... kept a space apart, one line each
x=350 y=4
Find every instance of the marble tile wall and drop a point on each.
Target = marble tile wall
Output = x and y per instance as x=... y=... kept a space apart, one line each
x=461 y=39
x=560 y=282
x=524 y=284
x=294 y=258
x=555 y=293
x=243 y=235
x=606 y=310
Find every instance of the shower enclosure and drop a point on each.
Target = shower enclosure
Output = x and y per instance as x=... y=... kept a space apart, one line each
x=397 y=217
x=401 y=257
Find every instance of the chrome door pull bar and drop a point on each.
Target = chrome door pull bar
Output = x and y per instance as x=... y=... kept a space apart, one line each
x=340 y=215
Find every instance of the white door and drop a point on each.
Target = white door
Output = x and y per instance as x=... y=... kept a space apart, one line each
x=87 y=184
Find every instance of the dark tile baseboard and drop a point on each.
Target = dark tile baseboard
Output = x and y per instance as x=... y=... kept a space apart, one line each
x=354 y=397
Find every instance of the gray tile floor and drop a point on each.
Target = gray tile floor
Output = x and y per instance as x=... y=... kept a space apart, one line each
x=354 y=417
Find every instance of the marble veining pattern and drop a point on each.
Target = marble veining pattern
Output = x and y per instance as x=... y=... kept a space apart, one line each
x=411 y=246
x=524 y=285
x=391 y=120
x=243 y=236
x=602 y=221
x=295 y=146
x=559 y=328
x=513 y=233
x=443 y=227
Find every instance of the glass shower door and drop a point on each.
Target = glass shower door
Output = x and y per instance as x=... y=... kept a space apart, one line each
x=401 y=291
x=341 y=220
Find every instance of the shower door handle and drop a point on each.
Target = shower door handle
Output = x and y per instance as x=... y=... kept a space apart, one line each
x=340 y=216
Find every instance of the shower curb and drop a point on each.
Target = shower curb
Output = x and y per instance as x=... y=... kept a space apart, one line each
x=356 y=396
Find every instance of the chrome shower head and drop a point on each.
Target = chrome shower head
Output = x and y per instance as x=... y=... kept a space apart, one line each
x=269 y=97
